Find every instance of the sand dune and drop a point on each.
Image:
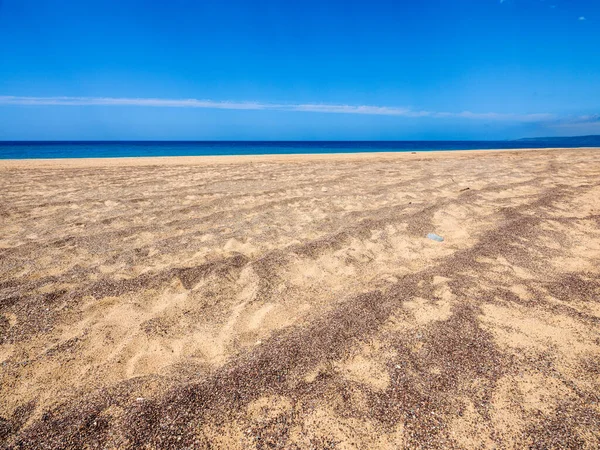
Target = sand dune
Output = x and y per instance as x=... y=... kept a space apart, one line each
x=294 y=302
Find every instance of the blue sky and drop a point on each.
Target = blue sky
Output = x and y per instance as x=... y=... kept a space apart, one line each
x=182 y=69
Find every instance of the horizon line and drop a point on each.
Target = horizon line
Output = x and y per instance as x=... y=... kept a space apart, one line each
x=541 y=138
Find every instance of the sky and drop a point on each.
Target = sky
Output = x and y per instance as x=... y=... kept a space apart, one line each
x=296 y=70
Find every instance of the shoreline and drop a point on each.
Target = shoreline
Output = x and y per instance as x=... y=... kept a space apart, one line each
x=267 y=157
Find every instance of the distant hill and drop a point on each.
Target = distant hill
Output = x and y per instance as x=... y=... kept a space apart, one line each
x=567 y=141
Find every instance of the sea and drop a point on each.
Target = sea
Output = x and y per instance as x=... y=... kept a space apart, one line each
x=112 y=149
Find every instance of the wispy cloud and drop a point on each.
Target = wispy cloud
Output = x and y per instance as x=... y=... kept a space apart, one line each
x=259 y=106
x=112 y=101
x=590 y=118
x=571 y=121
x=582 y=18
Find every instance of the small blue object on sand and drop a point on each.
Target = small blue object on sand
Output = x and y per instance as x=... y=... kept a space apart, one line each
x=435 y=237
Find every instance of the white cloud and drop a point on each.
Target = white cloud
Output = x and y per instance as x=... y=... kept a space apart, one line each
x=582 y=18
x=582 y=124
x=257 y=106
x=588 y=119
x=348 y=109
x=111 y=101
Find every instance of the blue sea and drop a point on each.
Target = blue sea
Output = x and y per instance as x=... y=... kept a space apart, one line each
x=110 y=149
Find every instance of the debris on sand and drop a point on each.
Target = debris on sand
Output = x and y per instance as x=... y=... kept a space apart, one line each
x=435 y=237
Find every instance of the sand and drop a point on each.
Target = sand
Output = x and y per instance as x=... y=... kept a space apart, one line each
x=295 y=302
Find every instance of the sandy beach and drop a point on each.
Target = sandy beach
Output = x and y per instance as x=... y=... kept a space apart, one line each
x=295 y=302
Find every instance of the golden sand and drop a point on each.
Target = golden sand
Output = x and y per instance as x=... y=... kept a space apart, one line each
x=295 y=302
